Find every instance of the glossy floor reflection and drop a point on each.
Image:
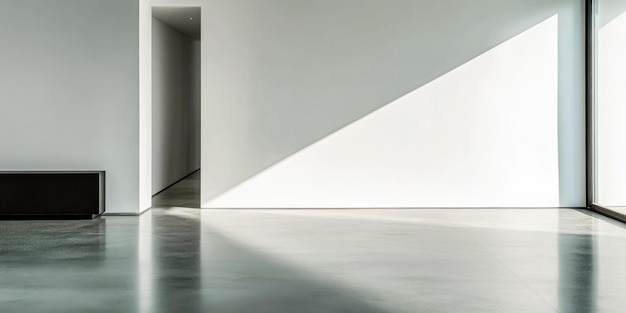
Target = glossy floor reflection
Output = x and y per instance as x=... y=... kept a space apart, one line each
x=178 y=259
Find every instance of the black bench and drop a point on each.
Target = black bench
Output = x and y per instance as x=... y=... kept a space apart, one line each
x=51 y=194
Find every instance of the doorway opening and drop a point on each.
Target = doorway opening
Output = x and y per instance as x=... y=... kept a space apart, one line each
x=176 y=94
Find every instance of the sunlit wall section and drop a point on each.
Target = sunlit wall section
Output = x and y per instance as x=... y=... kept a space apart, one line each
x=611 y=111
x=482 y=135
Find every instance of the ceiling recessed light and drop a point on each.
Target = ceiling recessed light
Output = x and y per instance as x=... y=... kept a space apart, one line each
x=191 y=18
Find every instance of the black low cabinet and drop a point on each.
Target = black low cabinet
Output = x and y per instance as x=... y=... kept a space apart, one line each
x=67 y=195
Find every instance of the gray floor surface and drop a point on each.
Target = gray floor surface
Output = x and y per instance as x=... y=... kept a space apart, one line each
x=177 y=258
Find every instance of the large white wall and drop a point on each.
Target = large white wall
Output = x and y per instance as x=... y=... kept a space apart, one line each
x=69 y=91
x=175 y=105
x=462 y=140
x=279 y=77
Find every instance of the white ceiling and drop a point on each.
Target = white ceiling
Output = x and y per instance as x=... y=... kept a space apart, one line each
x=184 y=19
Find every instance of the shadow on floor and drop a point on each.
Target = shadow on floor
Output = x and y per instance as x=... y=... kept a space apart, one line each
x=201 y=270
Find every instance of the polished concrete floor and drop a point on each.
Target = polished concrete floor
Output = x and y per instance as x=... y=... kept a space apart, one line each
x=180 y=259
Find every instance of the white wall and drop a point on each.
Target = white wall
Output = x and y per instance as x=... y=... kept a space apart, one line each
x=175 y=105
x=462 y=140
x=145 y=105
x=279 y=77
x=69 y=90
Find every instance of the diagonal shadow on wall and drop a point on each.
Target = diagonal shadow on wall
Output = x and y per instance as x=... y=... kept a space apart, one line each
x=349 y=70
x=608 y=10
